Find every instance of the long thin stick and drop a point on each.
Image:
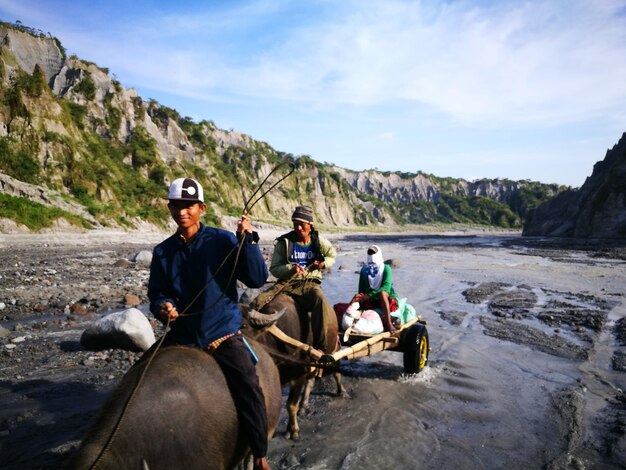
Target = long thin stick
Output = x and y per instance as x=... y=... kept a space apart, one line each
x=282 y=336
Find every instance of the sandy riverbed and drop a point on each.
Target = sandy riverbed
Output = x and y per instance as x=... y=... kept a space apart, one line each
x=526 y=370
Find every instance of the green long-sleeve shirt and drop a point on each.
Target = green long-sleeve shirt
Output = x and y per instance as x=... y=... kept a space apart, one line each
x=385 y=285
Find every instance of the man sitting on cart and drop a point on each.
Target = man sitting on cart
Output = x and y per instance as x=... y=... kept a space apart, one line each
x=376 y=287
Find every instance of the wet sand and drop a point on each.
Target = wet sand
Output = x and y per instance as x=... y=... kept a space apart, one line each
x=526 y=368
x=521 y=371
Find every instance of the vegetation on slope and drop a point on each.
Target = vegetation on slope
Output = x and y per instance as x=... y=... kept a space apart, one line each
x=36 y=216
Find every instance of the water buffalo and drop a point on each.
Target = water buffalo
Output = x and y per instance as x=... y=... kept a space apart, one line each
x=181 y=416
x=300 y=378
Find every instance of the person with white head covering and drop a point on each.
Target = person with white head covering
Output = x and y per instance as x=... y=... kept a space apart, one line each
x=376 y=287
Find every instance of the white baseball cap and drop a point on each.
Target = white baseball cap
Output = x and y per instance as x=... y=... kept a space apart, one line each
x=186 y=189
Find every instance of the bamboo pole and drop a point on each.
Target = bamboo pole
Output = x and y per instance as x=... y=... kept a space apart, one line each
x=367 y=343
x=346 y=352
x=282 y=336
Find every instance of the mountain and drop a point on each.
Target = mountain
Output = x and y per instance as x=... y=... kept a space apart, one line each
x=596 y=210
x=77 y=147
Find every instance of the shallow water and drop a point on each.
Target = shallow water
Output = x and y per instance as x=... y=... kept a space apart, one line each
x=483 y=401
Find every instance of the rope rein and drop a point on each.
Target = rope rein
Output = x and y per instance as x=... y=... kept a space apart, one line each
x=291 y=282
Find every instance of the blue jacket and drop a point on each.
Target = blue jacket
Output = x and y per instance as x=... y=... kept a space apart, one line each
x=180 y=272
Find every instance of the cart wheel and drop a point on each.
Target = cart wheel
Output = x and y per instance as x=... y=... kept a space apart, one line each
x=415 y=347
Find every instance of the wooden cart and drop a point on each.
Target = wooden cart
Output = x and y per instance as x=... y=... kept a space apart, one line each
x=411 y=339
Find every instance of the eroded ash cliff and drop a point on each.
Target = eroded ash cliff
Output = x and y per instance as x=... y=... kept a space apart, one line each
x=596 y=210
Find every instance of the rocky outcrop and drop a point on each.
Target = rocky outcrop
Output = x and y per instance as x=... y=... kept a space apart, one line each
x=596 y=210
x=29 y=51
x=391 y=187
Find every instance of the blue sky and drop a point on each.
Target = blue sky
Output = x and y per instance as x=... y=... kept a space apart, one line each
x=530 y=89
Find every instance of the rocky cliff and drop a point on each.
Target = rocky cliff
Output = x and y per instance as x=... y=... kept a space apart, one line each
x=596 y=210
x=69 y=130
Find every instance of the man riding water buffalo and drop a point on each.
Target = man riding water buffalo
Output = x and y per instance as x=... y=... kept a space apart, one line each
x=298 y=260
x=193 y=288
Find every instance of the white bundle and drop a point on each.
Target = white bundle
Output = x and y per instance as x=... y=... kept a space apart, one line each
x=366 y=321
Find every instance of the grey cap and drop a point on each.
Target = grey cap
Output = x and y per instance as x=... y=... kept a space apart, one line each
x=303 y=214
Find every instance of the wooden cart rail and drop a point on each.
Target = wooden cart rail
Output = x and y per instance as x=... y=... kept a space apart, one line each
x=363 y=345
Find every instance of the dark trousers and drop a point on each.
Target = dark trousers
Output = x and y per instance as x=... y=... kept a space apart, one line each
x=308 y=297
x=240 y=373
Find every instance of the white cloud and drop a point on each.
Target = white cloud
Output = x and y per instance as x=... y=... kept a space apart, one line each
x=386 y=136
x=518 y=63
x=481 y=64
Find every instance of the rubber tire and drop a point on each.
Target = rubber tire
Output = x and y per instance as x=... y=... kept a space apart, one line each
x=415 y=348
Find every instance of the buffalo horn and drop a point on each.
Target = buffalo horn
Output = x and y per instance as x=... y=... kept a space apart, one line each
x=261 y=319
